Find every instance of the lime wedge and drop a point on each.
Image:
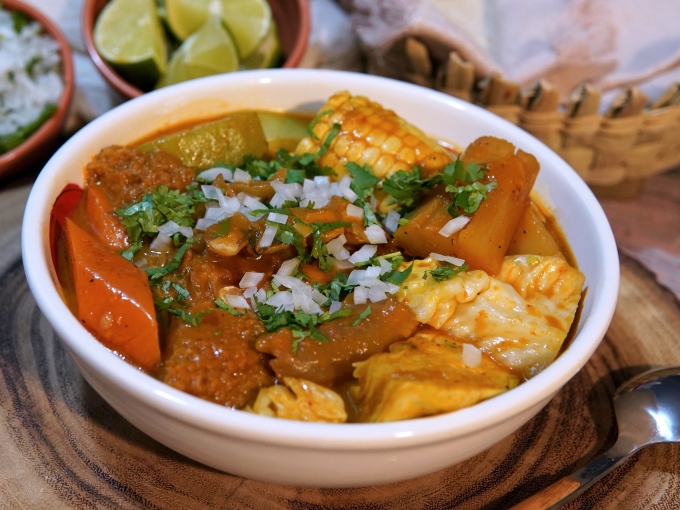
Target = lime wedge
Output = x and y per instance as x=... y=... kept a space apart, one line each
x=129 y=36
x=267 y=54
x=210 y=50
x=248 y=21
x=227 y=140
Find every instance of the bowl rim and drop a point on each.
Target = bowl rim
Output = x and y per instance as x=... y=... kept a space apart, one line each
x=88 y=19
x=54 y=124
x=374 y=436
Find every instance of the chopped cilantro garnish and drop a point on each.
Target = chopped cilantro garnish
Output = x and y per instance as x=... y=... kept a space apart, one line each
x=223 y=228
x=443 y=273
x=223 y=305
x=329 y=139
x=158 y=272
x=398 y=277
x=155 y=209
x=461 y=180
x=19 y=20
x=362 y=316
x=294 y=175
x=315 y=121
x=363 y=180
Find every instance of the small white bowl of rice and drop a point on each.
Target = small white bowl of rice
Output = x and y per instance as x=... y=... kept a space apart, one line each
x=36 y=86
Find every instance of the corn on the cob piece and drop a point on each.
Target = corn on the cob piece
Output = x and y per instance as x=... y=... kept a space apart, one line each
x=370 y=134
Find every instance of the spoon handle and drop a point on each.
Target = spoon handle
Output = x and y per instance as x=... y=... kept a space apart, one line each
x=567 y=488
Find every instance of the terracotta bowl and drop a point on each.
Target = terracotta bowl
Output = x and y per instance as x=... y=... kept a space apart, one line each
x=42 y=143
x=291 y=16
x=317 y=454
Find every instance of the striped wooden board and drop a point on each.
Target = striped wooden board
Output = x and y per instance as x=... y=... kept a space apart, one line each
x=62 y=446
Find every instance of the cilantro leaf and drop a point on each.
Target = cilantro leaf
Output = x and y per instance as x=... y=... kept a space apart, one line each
x=223 y=305
x=315 y=121
x=175 y=262
x=223 y=228
x=329 y=139
x=397 y=277
x=362 y=316
x=443 y=273
x=364 y=182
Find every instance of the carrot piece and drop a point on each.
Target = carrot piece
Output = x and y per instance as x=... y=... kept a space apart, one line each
x=113 y=298
x=106 y=226
x=485 y=240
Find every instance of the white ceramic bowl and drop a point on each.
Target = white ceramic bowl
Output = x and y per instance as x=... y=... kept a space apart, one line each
x=312 y=454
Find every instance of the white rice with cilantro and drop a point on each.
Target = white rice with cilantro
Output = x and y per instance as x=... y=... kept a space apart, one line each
x=30 y=81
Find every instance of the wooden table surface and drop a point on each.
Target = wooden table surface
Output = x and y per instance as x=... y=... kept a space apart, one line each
x=62 y=446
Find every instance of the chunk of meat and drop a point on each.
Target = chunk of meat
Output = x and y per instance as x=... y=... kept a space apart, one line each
x=216 y=361
x=331 y=362
x=127 y=173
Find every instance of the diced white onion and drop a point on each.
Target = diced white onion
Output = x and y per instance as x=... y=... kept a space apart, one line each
x=318 y=298
x=302 y=296
x=355 y=211
x=251 y=202
x=363 y=254
x=249 y=292
x=445 y=258
x=250 y=279
x=211 y=174
x=211 y=192
x=385 y=266
x=215 y=213
x=229 y=205
x=281 y=299
x=337 y=249
x=170 y=228
x=472 y=356
x=278 y=217
x=322 y=180
x=241 y=176
x=335 y=306
x=373 y=203
x=288 y=281
x=236 y=301
x=360 y=295
x=376 y=294
x=356 y=276
x=342 y=264
x=186 y=232
x=261 y=296
x=349 y=194
x=288 y=267
x=267 y=236
x=277 y=200
x=392 y=220
x=375 y=234
x=204 y=223
x=454 y=225
x=372 y=272
x=162 y=242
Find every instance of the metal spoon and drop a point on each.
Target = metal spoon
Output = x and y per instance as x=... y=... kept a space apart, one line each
x=647 y=411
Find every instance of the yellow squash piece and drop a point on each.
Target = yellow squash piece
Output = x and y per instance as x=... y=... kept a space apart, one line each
x=227 y=140
x=425 y=375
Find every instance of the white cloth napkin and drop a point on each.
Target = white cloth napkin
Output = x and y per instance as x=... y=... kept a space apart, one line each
x=608 y=43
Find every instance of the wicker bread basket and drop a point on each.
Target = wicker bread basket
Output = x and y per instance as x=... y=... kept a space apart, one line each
x=614 y=151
